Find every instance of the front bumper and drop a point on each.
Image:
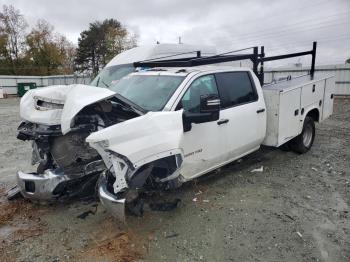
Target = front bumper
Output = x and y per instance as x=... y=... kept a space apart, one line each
x=113 y=205
x=40 y=186
x=51 y=184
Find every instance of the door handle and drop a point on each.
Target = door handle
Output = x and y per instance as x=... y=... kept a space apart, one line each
x=260 y=110
x=222 y=121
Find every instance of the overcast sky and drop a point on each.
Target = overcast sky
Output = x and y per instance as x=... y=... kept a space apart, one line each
x=228 y=24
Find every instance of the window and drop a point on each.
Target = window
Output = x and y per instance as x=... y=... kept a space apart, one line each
x=235 y=88
x=204 y=85
x=151 y=92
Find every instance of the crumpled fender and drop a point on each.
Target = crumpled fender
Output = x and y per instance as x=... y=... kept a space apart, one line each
x=143 y=138
x=75 y=98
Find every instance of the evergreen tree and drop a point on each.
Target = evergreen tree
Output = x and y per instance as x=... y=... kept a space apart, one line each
x=100 y=43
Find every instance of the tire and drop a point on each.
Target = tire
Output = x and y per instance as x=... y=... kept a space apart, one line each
x=303 y=142
x=285 y=147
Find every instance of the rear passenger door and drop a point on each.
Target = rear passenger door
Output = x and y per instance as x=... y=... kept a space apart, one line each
x=243 y=111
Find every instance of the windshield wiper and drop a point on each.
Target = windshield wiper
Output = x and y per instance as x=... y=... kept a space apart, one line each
x=103 y=82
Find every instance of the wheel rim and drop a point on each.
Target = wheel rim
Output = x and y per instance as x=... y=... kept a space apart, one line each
x=307 y=135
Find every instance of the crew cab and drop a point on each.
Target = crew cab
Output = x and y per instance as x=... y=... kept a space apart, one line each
x=198 y=119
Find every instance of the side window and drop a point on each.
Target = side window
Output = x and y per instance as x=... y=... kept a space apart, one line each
x=204 y=85
x=235 y=88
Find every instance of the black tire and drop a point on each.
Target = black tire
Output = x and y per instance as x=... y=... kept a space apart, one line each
x=303 y=142
x=285 y=147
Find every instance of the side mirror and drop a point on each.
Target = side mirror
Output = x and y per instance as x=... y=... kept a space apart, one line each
x=209 y=111
x=210 y=104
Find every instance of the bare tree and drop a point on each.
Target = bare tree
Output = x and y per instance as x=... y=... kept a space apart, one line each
x=13 y=26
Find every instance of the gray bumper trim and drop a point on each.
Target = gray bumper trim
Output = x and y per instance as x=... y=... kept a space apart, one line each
x=44 y=184
x=114 y=205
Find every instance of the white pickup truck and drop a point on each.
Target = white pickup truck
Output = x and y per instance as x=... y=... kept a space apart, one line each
x=164 y=125
x=199 y=119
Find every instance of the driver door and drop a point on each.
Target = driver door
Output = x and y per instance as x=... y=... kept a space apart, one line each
x=204 y=145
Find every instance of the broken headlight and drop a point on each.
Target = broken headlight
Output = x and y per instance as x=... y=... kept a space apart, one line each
x=48 y=104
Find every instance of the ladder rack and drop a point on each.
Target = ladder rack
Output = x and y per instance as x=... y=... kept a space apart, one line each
x=256 y=58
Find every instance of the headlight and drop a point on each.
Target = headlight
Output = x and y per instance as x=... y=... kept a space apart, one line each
x=47 y=104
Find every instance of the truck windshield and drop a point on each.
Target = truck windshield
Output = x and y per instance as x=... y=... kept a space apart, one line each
x=151 y=92
x=110 y=75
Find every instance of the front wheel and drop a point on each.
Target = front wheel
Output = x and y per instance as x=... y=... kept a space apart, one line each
x=303 y=142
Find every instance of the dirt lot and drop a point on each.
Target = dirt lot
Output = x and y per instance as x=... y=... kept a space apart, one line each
x=297 y=209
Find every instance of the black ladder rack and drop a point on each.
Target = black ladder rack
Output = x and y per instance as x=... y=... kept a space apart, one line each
x=256 y=58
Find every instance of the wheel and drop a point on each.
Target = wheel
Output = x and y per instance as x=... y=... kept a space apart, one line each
x=303 y=142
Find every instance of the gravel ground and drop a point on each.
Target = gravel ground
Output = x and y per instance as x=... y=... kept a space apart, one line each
x=297 y=209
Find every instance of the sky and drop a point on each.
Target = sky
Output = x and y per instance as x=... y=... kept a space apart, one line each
x=280 y=25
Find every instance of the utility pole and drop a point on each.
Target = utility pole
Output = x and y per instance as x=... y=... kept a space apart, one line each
x=180 y=40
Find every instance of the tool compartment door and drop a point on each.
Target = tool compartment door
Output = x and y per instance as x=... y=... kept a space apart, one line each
x=328 y=99
x=289 y=115
x=312 y=95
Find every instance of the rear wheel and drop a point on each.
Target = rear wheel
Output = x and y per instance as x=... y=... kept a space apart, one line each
x=303 y=142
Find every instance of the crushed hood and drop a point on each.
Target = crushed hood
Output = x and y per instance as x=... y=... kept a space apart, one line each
x=73 y=97
x=143 y=137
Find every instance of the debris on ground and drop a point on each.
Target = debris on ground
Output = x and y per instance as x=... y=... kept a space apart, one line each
x=299 y=234
x=171 y=235
x=260 y=169
x=314 y=169
x=85 y=214
x=165 y=206
x=14 y=193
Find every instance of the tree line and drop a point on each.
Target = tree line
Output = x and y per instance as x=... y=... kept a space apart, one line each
x=42 y=51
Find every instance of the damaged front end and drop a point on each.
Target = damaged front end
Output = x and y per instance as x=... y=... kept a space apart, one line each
x=149 y=160
x=122 y=187
x=66 y=166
